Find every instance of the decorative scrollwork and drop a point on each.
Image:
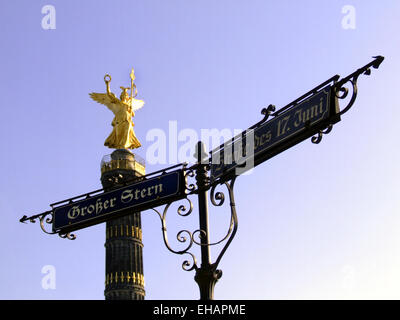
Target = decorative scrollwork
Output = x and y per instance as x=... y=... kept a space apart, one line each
x=189 y=266
x=202 y=234
x=183 y=236
x=45 y=219
x=217 y=199
x=189 y=238
x=266 y=112
x=190 y=187
x=317 y=139
x=341 y=92
x=68 y=235
x=182 y=208
x=48 y=220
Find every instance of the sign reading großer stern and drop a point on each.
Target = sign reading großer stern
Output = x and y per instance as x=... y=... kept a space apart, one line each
x=138 y=196
x=298 y=122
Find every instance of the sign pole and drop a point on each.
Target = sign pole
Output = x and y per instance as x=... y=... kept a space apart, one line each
x=206 y=276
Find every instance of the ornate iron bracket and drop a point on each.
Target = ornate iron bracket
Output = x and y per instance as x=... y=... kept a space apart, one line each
x=341 y=91
x=218 y=199
x=207 y=273
x=182 y=211
x=47 y=217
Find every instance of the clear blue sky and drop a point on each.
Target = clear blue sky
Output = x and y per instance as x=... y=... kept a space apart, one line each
x=318 y=221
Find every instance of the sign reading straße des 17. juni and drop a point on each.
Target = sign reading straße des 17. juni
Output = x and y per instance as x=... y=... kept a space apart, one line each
x=288 y=128
x=138 y=196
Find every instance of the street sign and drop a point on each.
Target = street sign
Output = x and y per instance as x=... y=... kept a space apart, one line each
x=314 y=112
x=138 y=196
x=295 y=124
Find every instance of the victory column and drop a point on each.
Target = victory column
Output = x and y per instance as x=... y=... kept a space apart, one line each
x=124 y=248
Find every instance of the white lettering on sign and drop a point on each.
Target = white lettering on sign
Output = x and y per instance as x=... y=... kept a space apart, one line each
x=100 y=205
x=137 y=194
x=77 y=210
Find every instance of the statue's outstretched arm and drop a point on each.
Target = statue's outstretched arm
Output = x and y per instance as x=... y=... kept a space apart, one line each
x=107 y=80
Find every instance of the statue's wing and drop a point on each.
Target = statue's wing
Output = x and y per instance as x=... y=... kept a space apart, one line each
x=137 y=104
x=109 y=100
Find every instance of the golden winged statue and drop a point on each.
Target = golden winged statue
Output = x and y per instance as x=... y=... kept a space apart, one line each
x=122 y=136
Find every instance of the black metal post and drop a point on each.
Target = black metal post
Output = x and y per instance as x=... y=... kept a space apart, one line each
x=207 y=275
